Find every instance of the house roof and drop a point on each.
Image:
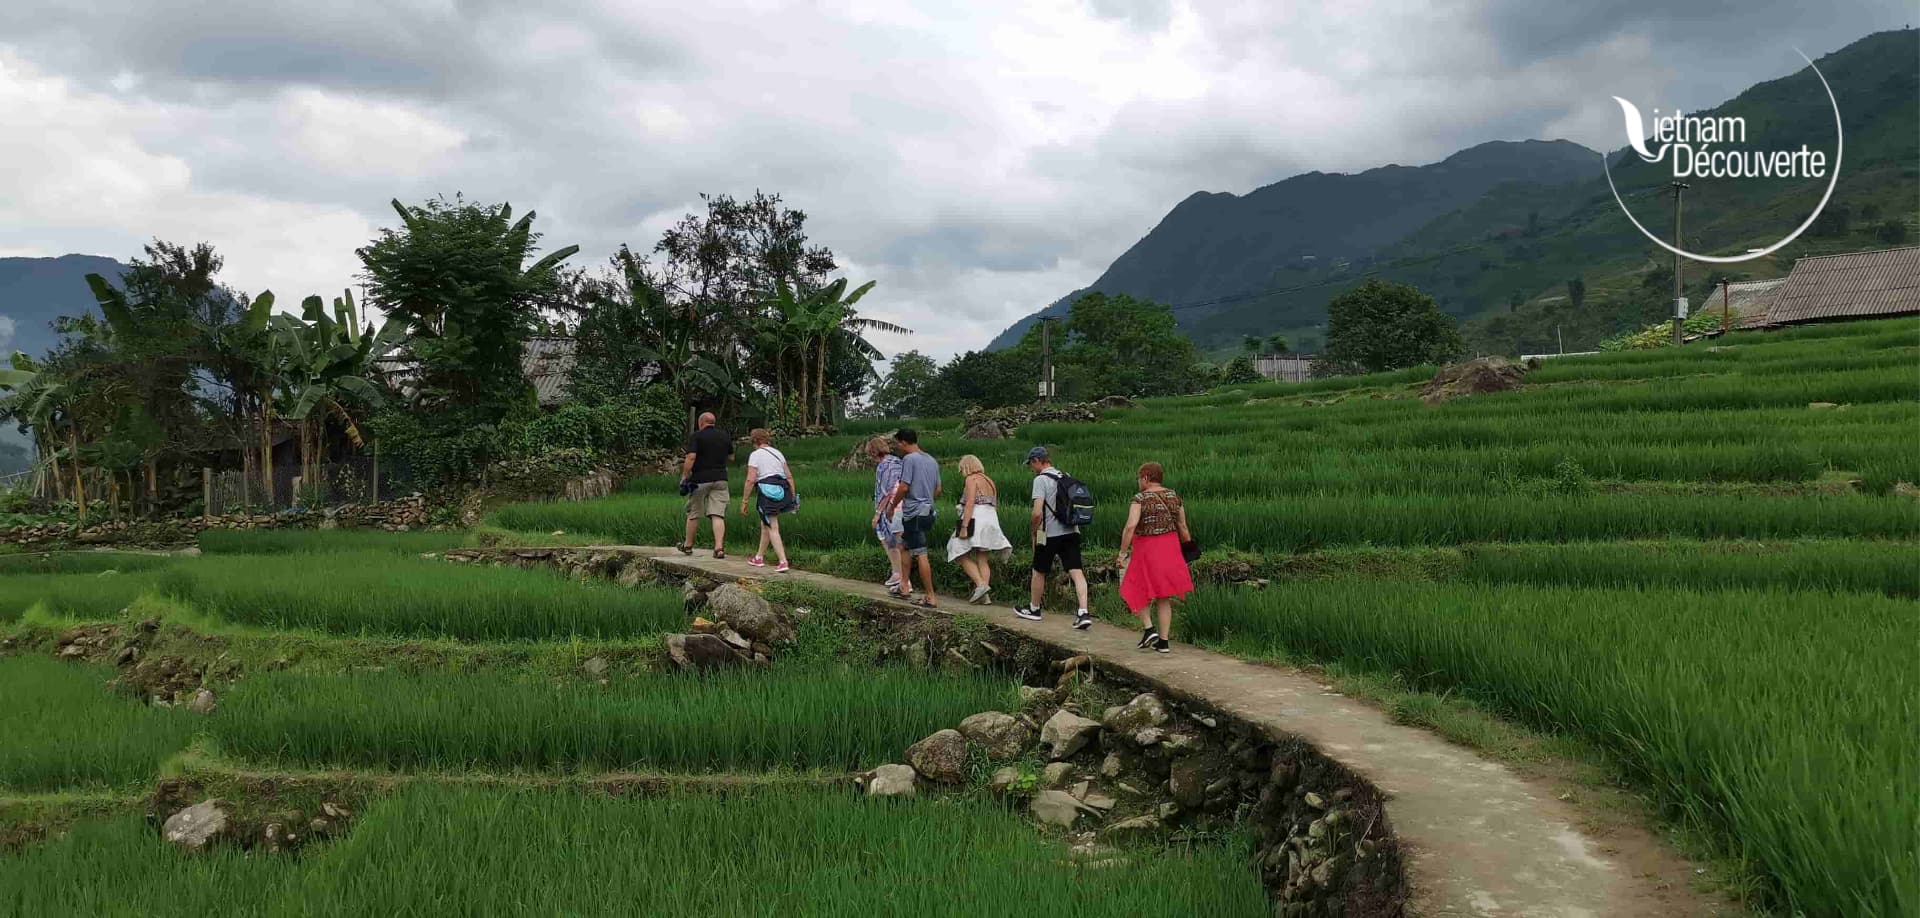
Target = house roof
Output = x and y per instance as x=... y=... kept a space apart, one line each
x=547 y=363
x=1854 y=285
x=1748 y=302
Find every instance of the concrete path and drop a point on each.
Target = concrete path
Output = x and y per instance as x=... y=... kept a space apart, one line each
x=1476 y=838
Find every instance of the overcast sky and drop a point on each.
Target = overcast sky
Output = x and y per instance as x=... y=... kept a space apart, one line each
x=978 y=159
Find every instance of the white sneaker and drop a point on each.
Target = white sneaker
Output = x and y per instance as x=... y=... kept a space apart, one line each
x=979 y=597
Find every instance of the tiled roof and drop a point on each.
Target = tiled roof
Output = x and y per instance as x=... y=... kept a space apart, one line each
x=1854 y=285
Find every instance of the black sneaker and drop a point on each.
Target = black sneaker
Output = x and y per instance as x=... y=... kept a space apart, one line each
x=1162 y=645
x=1147 y=638
x=1082 y=621
x=1027 y=612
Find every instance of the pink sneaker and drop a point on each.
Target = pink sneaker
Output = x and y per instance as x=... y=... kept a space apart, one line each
x=783 y=568
x=757 y=561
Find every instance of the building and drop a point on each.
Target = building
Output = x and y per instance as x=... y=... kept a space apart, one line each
x=1285 y=367
x=547 y=363
x=1856 y=285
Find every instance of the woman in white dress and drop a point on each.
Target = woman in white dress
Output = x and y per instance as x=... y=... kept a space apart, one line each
x=978 y=536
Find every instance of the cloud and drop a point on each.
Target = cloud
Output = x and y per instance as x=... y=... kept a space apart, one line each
x=978 y=160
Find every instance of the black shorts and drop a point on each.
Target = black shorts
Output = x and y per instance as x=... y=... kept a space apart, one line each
x=916 y=532
x=1064 y=547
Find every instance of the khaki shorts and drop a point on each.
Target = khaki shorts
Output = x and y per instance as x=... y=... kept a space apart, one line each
x=709 y=499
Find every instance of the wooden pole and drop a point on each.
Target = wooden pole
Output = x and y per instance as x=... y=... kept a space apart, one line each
x=374 y=498
x=1726 y=306
x=206 y=492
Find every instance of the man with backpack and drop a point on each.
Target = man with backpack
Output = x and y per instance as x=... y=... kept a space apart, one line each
x=1061 y=505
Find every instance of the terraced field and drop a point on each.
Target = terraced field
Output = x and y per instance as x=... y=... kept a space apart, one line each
x=1703 y=562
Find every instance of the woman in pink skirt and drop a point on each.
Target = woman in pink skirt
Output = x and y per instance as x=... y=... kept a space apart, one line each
x=1150 y=550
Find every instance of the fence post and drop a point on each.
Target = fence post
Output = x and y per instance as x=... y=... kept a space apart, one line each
x=375 y=497
x=206 y=492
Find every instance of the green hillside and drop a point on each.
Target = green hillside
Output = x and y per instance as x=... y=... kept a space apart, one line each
x=1503 y=257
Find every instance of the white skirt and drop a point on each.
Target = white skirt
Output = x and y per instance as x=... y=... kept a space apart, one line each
x=986 y=535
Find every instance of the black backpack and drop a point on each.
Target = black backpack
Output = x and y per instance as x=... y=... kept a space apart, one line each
x=1072 y=500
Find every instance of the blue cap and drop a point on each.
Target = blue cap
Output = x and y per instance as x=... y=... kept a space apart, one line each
x=1037 y=453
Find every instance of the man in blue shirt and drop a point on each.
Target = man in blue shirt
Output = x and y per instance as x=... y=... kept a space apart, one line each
x=914 y=495
x=887 y=526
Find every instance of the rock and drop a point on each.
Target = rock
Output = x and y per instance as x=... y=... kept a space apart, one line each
x=1056 y=774
x=1328 y=870
x=595 y=666
x=700 y=651
x=1056 y=808
x=748 y=613
x=1098 y=801
x=1130 y=790
x=1187 y=782
x=1031 y=696
x=1115 y=401
x=1474 y=377
x=1145 y=710
x=889 y=781
x=1315 y=800
x=1080 y=789
x=203 y=702
x=735 y=641
x=71 y=651
x=1139 y=827
x=693 y=596
x=1002 y=735
x=334 y=810
x=1003 y=780
x=127 y=655
x=1112 y=766
x=986 y=430
x=196 y=826
x=1066 y=733
x=1149 y=736
x=941 y=757
x=1168 y=811
x=1821 y=406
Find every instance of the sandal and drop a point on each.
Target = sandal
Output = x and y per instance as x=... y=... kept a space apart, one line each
x=923 y=602
x=685 y=549
x=719 y=555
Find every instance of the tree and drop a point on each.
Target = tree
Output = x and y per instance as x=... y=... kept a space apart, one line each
x=1381 y=325
x=326 y=364
x=1278 y=344
x=1576 y=292
x=908 y=385
x=1892 y=232
x=1241 y=371
x=456 y=274
x=828 y=316
x=1118 y=345
x=630 y=332
x=1250 y=344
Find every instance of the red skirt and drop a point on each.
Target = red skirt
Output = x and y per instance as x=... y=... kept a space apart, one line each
x=1156 y=571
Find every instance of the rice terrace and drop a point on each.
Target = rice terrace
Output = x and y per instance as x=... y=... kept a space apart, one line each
x=1661 y=584
x=1067 y=459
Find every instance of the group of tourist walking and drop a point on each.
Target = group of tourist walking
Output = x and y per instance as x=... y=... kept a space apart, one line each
x=1155 y=543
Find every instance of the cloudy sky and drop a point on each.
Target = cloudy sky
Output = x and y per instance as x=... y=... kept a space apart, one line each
x=978 y=159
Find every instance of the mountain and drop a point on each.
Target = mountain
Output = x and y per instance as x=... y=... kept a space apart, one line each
x=35 y=291
x=1494 y=232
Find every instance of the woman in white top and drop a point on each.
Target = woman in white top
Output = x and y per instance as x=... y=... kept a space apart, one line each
x=978 y=537
x=770 y=483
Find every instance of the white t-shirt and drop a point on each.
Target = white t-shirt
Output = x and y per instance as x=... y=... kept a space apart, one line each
x=768 y=462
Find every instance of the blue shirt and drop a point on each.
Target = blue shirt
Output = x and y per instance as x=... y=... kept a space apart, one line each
x=884 y=478
x=921 y=472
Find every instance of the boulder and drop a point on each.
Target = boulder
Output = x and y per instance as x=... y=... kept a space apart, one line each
x=197 y=826
x=986 y=430
x=1149 y=736
x=889 y=781
x=941 y=757
x=748 y=614
x=595 y=666
x=1033 y=696
x=1187 y=782
x=1003 y=780
x=701 y=651
x=1003 y=735
x=1144 y=711
x=693 y=597
x=1056 y=774
x=1066 y=733
x=1474 y=377
x=1056 y=808
x=1115 y=401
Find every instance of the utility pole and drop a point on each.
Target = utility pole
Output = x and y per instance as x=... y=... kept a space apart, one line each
x=1046 y=359
x=1726 y=306
x=1679 y=302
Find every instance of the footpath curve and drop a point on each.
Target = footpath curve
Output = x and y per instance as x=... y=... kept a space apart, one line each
x=1476 y=839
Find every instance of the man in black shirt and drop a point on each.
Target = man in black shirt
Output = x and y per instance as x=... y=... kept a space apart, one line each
x=703 y=476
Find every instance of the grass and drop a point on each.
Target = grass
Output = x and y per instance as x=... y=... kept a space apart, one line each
x=63 y=729
x=438 y=851
x=87 y=597
x=79 y=562
x=377 y=593
x=1889 y=568
x=313 y=541
x=835 y=719
x=1784 y=721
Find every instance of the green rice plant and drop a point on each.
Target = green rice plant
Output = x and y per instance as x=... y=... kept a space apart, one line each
x=89 y=597
x=64 y=729
x=79 y=562
x=1864 y=566
x=378 y=593
x=1783 y=721
x=836 y=718
x=468 y=852
x=310 y=541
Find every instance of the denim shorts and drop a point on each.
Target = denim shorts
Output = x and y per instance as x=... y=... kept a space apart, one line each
x=889 y=530
x=917 y=531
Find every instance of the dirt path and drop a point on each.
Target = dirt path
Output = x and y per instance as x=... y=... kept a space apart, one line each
x=1477 y=838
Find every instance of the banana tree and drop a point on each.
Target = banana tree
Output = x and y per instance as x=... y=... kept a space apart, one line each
x=39 y=399
x=327 y=361
x=246 y=355
x=828 y=316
